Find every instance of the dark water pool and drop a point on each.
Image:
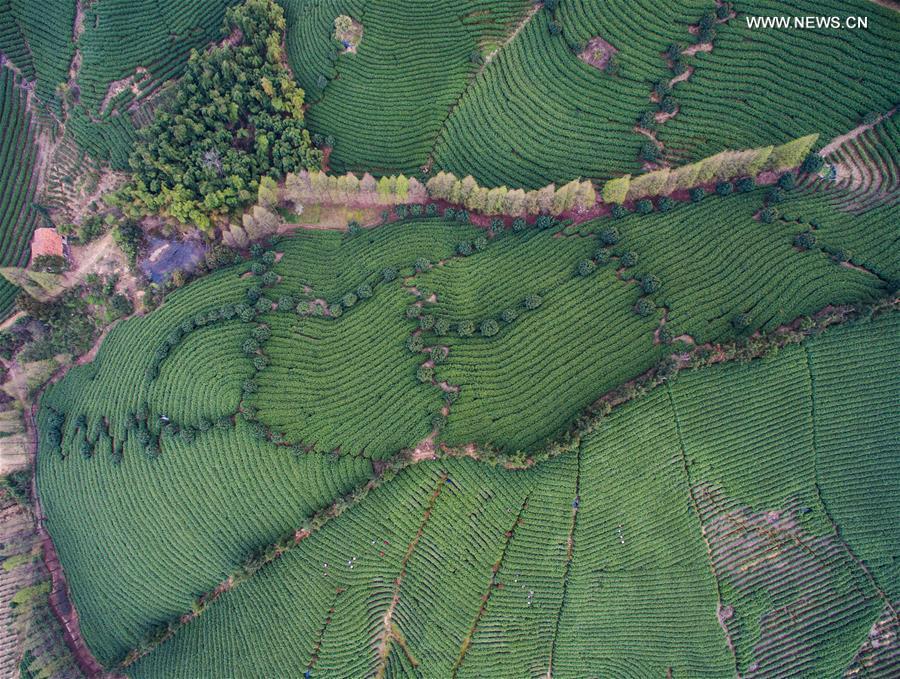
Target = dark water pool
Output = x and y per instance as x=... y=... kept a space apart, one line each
x=166 y=256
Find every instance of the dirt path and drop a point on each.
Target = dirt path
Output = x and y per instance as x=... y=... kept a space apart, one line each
x=529 y=15
x=387 y=635
x=9 y=322
x=839 y=141
x=60 y=601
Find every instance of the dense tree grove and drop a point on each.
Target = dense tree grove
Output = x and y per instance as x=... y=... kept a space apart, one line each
x=236 y=116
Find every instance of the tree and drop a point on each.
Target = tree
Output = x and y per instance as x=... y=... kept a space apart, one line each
x=440 y=184
x=585 y=195
x=760 y=160
x=496 y=200
x=649 y=184
x=401 y=188
x=235 y=116
x=260 y=222
x=514 y=202
x=489 y=327
x=586 y=267
x=616 y=190
x=644 y=206
x=267 y=193
x=792 y=153
x=697 y=194
x=545 y=198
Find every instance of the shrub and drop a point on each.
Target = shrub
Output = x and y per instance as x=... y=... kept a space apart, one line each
x=261 y=333
x=649 y=284
x=666 y=105
x=805 y=240
x=787 y=181
x=250 y=346
x=464 y=249
x=609 y=235
x=50 y=263
x=586 y=267
x=533 y=301
x=422 y=264
x=388 y=274
x=775 y=196
x=644 y=206
x=666 y=335
x=414 y=343
x=489 y=327
x=628 y=259
x=745 y=184
x=509 y=315
x=647 y=121
x=724 y=188
x=335 y=310
x=741 y=322
x=425 y=374
x=841 y=255
x=480 y=243
x=249 y=387
x=348 y=300
x=768 y=215
x=812 y=163
x=697 y=194
x=649 y=151
x=364 y=291
x=554 y=28
x=353 y=228
x=644 y=307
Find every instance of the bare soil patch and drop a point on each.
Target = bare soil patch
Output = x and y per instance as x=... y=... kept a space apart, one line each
x=597 y=53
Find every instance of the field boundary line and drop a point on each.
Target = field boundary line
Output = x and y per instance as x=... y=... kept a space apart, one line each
x=492 y=585
x=570 y=553
x=870 y=576
x=696 y=507
x=388 y=634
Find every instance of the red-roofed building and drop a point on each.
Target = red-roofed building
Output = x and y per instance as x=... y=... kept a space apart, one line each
x=46 y=242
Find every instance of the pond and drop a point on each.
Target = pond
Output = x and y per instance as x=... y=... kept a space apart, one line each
x=166 y=257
